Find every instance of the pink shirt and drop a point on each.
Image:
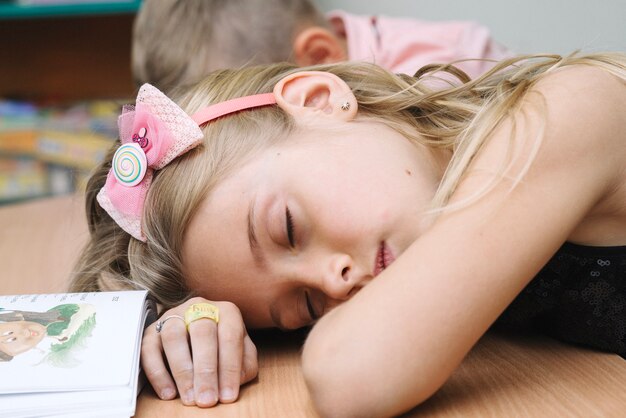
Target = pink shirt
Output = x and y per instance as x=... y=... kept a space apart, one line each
x=405 y=45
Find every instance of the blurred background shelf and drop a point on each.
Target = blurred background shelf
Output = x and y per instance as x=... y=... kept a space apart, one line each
x=47 y=9
x=64 y=74
x=67 y=56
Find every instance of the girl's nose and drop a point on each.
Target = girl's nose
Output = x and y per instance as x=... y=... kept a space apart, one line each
x=339 y=277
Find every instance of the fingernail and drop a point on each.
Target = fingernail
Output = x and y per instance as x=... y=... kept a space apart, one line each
x=207 y=398
x=188 y=398
x=168 y=393
x=227 y=394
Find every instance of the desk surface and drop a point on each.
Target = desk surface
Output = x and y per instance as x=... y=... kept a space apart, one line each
x=502 y=375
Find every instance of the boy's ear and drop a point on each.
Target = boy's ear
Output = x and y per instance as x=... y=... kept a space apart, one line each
x=310 y=94
x=316 y=45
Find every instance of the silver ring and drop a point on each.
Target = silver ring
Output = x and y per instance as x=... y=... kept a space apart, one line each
x=159 y=324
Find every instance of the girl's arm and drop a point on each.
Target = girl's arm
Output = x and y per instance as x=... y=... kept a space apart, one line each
x=397 y=341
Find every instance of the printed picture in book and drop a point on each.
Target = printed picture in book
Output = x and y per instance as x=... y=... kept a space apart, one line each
x=53 y=337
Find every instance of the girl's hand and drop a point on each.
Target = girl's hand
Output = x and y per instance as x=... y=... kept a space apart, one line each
x=207 y=363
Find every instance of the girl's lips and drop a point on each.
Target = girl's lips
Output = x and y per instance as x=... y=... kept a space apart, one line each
x=384 y=257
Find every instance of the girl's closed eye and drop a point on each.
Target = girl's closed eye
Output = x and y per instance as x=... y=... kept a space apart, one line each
x=310 y=308
x=290 y=228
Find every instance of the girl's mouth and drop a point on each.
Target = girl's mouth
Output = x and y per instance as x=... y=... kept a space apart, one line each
x=384 y=257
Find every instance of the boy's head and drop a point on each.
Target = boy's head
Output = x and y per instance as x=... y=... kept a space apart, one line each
x=180 y=41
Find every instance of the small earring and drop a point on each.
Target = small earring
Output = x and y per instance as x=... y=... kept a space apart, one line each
x=345 y=106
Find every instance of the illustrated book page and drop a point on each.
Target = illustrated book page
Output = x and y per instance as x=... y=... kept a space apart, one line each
x=63 y=353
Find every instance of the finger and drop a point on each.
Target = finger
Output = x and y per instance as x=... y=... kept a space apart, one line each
x=231 y=333
x=154 y=366
x=250 y=368
x=175 y=342
x=204 y=346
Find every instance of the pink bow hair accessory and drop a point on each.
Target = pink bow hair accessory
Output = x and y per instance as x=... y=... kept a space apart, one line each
x=152 y=133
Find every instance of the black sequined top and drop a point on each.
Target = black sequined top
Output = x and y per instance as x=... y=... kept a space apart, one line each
x=578 y=297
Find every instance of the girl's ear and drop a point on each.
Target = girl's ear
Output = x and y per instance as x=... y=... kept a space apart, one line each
x=309 y=95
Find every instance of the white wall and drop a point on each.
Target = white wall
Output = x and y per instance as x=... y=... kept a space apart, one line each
x=524 y=26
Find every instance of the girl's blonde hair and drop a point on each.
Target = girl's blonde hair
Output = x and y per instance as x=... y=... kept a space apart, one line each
x=459 y=118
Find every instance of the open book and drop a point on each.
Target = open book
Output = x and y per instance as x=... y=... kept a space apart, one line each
x=72 y=354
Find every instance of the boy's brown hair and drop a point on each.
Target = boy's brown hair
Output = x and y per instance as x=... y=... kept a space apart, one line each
x=179 y=41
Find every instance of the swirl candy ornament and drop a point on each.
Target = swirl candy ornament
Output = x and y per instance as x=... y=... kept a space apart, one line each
x=129 y=164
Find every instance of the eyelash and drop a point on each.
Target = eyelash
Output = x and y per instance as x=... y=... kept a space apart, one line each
x=309 y=306
x=290 y=228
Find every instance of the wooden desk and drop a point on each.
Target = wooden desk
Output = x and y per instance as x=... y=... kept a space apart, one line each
x=503 y=376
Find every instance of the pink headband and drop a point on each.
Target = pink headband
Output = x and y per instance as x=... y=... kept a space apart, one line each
x=153 y=133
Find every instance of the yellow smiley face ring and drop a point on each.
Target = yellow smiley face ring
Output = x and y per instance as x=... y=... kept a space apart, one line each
x=202 y=311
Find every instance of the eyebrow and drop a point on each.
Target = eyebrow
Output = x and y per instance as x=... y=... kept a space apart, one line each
x=255 y=249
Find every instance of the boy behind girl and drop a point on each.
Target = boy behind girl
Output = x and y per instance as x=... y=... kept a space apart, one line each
x=179 y=41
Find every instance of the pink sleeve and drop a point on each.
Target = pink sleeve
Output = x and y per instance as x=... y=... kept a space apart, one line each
x=408 y=44
x=405 y=45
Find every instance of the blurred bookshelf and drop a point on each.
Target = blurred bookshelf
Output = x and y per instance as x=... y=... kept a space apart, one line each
x=28 y=9
x=64 y=74
x=51 y=150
